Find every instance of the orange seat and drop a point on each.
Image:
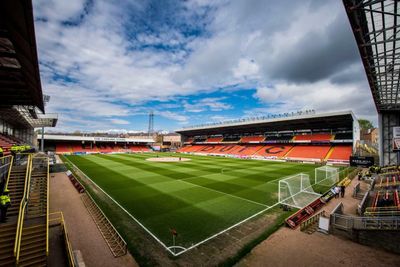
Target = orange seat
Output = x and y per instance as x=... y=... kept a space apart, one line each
x=274 y=151
x=309 y=152
x=341 y=153
x=248 y=139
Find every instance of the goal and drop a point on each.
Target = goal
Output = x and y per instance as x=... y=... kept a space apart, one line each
x=296 y=191
x=326 y=175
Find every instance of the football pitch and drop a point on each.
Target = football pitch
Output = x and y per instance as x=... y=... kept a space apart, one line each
x=198 y=198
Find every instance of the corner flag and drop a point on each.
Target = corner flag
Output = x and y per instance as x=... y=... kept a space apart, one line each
x=174 y=232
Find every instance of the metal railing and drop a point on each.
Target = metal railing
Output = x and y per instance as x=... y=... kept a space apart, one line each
x=365 y=223
x=382 y=211
x=21 y=158
x=59 y=218
x=40 y=161
x=356 y=190
x=6 y=163
x=311 y=221
x=363 y=204
x=21 y=214
x=113 y=239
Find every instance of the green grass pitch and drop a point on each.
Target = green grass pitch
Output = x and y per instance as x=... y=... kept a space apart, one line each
x=198 y=198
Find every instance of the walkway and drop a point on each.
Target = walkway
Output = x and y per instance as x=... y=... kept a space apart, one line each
x=288 y=247
x=83 y=232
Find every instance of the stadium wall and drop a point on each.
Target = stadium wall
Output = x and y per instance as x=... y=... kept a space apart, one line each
x=387 y=240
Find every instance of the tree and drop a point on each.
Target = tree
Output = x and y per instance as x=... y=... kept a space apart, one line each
x=365 y=124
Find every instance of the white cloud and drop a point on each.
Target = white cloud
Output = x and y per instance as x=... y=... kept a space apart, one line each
x=266 y=94
x=119 y=121
x=95 y=68
x=208 y=103
x=174 y=116
x=246 y=68
x=322 y=96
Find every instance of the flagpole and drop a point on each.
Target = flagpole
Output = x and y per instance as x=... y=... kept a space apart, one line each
x=173 y=241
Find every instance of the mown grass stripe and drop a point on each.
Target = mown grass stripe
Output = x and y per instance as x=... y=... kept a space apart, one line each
x=194 y=196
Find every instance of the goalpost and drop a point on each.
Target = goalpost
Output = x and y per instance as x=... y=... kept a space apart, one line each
x=326 y=175
x=296 y=191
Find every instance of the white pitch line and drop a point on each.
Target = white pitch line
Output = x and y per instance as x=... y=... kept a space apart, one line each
x=241 y=198
x=191 y=247
x=227 y=229
x=130 y=215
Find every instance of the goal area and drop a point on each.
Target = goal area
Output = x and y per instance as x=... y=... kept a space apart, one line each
x=326 y=175
x=296 y=191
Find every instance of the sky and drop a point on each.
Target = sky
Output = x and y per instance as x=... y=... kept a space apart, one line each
x=107 y=64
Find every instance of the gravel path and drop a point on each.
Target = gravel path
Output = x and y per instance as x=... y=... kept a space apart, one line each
x=288 y=247
x=83 y=232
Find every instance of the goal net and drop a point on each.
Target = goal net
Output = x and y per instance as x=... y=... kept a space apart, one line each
x=326 y=175
x=296 y=191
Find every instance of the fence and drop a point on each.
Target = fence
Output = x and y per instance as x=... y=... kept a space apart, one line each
x=311 y=221
x=363 y=204
x=347 y=222
x=113 y=239
x=357 y=191
x=21 y=159
x=57 y=218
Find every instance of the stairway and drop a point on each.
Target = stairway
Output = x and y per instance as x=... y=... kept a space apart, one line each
x=33 y=246
x=33 y=240
x=37 y=205
x=328 y=155
x=288 y=152
x=16 y=187
x=7 y=239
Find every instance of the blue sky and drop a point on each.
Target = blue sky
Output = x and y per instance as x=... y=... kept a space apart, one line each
x=107 y=64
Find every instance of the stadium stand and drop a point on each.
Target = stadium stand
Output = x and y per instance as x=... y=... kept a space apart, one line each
x=252 y=139
x=340 y=153
x=247 y=150
x=344 y=136
x=214 y=140
x=63 y=148
x=291 y=151
x=16 y=186
x=24 y=237
x=69 y=144
x=277 y=151
x=199 y=139
x=191 y=148
x=189 y=140
x=313 y=137
x=279 y=138
x=308 y=152
x=230 y=139
x=7 y=141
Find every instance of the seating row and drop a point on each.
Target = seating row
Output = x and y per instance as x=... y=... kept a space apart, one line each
x=254 y=139
x=6 y=142
x=318 y=152
x=62 y=148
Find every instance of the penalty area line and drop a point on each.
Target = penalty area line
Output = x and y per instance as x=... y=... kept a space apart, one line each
x=226 y=229
x=130 y=215
x=184 y=250
x=217 y=191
